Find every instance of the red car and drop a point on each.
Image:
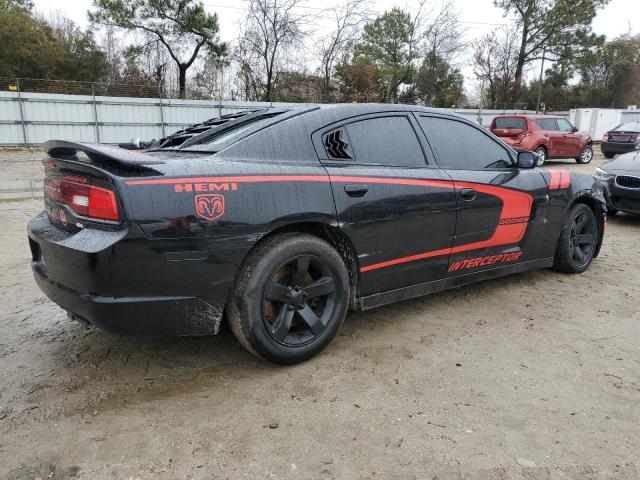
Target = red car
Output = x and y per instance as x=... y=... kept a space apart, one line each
x=549 y=136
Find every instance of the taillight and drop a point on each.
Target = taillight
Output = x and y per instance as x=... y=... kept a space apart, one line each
x=605 y=137
x=83 y=198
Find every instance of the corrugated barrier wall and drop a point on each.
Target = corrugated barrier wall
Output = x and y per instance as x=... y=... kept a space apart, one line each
x=28 y=119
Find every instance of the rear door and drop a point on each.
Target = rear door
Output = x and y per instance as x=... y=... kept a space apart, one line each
x=554 y=140
x=501 y=209
x=396 y=206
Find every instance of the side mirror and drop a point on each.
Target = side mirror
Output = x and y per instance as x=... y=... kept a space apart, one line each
x=574 y=129
x=527 y=159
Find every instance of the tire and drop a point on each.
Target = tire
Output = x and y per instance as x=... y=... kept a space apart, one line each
x=278 y=322
x=612 y=211
x=609 y=155
x=542 y=156
x=585 y=156
x=578 y=240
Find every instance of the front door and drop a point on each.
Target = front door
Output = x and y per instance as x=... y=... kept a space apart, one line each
x=570 y=140
x=501 y=209
x=398 y=209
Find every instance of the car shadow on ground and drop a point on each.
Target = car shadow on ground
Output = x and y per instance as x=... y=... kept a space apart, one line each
x=93 y=370
x=623 y=218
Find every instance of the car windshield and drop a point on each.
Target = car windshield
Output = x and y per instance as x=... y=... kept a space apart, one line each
x=628 y=127
x=516 y=123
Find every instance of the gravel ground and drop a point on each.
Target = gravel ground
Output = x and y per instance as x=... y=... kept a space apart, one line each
x=534 y=376
x=21 y=164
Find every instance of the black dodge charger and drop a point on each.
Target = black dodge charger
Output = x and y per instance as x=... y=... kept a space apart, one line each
x=280 y=220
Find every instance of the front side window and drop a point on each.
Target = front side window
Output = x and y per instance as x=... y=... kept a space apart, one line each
x=564 y=125
x=388 y=140
x=462 y=146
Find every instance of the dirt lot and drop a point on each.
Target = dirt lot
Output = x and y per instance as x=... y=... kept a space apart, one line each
x=535 y=376
x=21 y=164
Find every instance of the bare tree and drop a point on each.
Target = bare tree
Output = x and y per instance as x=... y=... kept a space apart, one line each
x=442 y=36
x=348 y=17
x=210 y=77
x=273 y=30
x=495 y=61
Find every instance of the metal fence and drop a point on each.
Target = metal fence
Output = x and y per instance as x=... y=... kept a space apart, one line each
x=32 y=113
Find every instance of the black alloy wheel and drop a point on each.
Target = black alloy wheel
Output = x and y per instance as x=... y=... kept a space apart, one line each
x=582 y=240
x=578 y=241
x=290 y=298
x=299 y=300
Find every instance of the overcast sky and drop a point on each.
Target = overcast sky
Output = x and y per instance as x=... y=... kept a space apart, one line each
x=477 y=17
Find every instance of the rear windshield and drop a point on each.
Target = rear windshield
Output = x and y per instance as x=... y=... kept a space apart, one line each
x=214 y=141
x=628 y=127
x=515 y=123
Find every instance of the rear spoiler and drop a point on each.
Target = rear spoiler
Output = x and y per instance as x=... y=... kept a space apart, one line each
x=98 y=153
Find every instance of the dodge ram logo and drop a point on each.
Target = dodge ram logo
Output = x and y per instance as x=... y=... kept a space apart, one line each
x=210 y=206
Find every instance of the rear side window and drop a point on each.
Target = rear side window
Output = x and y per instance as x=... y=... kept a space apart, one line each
x=510 y=123
x=387 y=141
x=462 y=146
x=546 y=123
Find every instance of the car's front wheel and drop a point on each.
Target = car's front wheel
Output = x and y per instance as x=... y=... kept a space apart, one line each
x=290 y=298
x=585 y=156
x=578 y=240
x=609 y=155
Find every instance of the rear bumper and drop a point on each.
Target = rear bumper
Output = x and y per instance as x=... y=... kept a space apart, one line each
x=516 y=143
x=59 y=260
x=128 y=315
x=614 y=148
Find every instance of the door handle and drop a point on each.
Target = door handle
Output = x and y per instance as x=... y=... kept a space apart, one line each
x=356 y=189
x=468 y=193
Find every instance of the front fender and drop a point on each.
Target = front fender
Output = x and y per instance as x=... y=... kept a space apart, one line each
x=594 y=197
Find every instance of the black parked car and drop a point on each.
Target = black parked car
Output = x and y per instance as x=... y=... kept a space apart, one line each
x=280 y=220
x=622 y=139
x=621 y=179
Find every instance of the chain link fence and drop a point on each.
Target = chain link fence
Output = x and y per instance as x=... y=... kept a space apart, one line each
x=70 y=87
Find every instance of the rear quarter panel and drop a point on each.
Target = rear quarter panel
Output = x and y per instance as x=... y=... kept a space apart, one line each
x=225 y=211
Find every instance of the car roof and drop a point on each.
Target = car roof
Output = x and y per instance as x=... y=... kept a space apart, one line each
x=527 y=115
x=350 y=108
x=315 y=115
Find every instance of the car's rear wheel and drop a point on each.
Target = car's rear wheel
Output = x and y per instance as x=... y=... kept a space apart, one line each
x=612 y=211
x=541 y=152
x=609 y=155
x=585 y=156
x=290 y=298
x=578 y=240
